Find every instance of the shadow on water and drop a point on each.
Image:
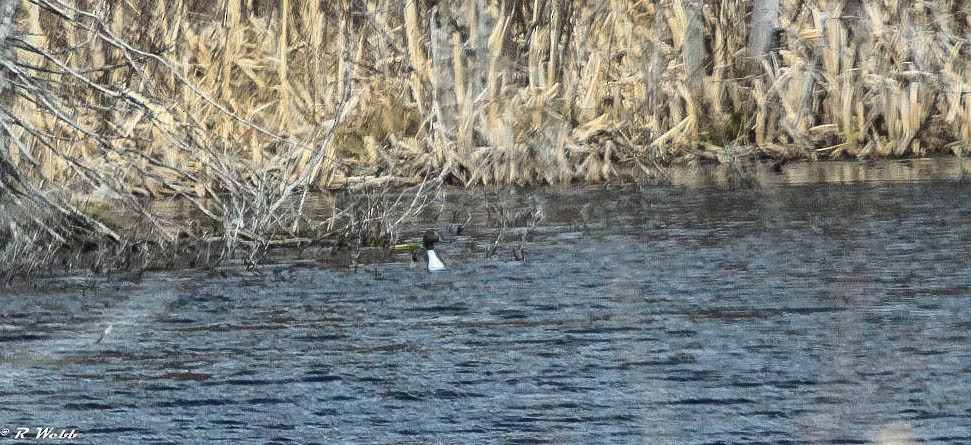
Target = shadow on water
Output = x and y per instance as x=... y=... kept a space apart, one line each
x=782 y=312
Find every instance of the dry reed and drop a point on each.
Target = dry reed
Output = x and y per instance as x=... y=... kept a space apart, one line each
x=240 y=107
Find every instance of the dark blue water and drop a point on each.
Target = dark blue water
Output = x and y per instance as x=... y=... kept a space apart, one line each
x=825 y=313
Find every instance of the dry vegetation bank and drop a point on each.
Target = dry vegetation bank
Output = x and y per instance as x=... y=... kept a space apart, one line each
x=242 y=106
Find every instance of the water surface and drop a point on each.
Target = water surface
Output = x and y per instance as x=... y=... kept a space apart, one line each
x=781 y=313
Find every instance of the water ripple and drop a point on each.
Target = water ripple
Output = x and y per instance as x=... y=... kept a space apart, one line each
x=791 y=315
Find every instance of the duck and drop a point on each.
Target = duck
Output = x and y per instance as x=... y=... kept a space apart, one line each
x=433 y=262
x=428 y=240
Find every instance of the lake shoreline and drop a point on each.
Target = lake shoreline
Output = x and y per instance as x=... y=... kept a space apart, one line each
x=190 y=251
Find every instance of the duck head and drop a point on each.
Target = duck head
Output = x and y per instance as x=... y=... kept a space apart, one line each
x=430 y=238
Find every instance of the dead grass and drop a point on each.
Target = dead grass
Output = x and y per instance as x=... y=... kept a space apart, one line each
x=241 y=108
x=485 y=89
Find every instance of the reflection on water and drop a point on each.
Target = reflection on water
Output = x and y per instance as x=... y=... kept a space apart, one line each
x=820 y=313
